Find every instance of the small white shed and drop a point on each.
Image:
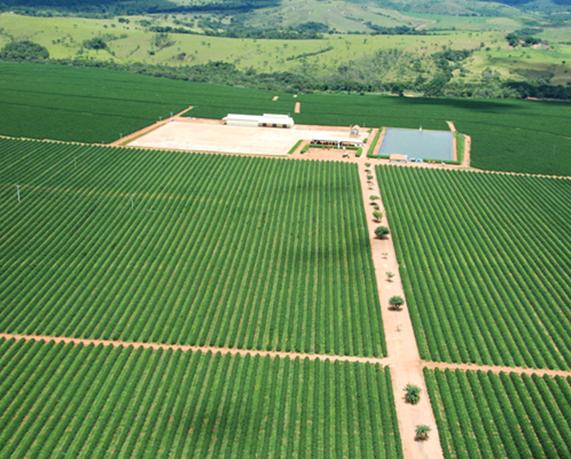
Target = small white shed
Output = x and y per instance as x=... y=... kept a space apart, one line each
x=266 y=120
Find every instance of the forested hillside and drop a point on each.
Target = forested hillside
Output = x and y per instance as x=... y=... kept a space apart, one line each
x=464 y=48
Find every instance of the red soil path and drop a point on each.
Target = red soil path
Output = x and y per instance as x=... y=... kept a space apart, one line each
x=384 y=361
x=467 y=150
x=406 y=365
x=190 y=348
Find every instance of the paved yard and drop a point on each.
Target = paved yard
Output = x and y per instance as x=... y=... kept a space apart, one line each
x=213 y=136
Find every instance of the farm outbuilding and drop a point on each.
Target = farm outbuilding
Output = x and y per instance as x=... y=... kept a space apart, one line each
x=336 y=141
x=266 y=120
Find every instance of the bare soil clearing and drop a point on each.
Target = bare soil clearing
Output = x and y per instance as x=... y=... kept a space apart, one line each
x=135 y=135
x=213 y=136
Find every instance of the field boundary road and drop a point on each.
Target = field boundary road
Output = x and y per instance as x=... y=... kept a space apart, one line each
x=467 y=151
x=382 y=361
x=194 y=348
x=454 y=141
x=406 y=365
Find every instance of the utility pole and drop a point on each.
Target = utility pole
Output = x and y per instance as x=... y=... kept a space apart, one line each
x=18 y=193
x=131 y=199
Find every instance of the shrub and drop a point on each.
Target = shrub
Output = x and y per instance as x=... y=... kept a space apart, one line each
x=374 y=197
x=24 y=50
x=396 y=302
x=412 y=394
x=390 y=276
x=382 y=231
x=377 y=215
x=95 y=43
x=422 y=431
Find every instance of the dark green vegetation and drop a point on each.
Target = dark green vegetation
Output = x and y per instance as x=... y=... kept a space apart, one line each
x=95 y=43
x=524 y=37
x=46 y=101
x=61 y=400
x=184 y=248
x=24 y=50
x=486 y=415
x=134 y=6
x=485 y=261
x=94 y=105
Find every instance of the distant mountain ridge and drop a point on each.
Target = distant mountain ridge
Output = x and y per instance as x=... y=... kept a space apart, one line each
x=242 y=6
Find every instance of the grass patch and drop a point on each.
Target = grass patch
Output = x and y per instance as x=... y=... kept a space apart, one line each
x=371 y=150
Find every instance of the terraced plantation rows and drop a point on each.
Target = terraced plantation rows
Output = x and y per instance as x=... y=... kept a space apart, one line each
x=487 y=415
x=108 y=402
x=181 y=248
x=485 y=261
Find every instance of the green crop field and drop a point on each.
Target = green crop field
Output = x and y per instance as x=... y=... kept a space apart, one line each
x=485 y=264
x=486 y=415
x=185 y=248
x=94 y=105
x=85 y=401
x=81 y=104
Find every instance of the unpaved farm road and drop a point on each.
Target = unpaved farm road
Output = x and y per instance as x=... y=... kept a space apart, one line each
x=191 y=348
x=406 y=365
x=383 y=361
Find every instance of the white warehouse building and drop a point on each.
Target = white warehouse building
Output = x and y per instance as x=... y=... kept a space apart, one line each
x=266 y=120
